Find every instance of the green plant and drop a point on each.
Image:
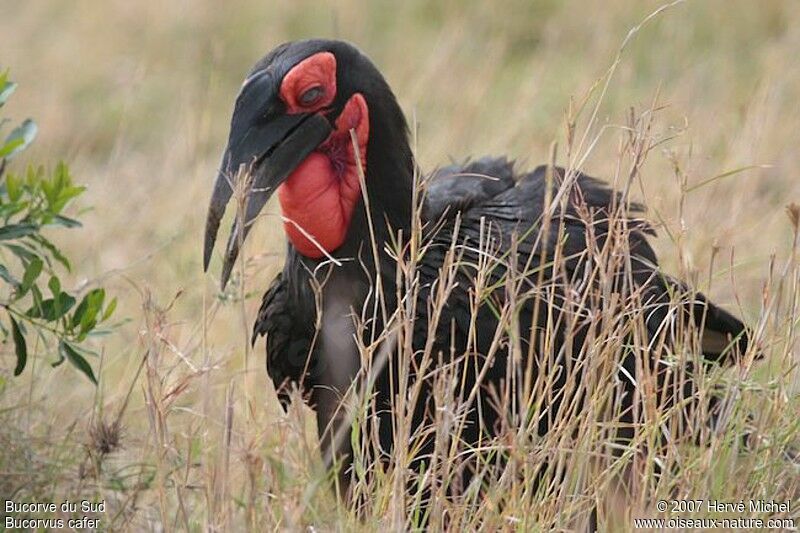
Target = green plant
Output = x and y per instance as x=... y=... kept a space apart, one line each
x=33 y=295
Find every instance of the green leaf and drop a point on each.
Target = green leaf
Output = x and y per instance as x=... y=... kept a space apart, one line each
x=7 y=277
x=87 y=306
x=7 y=88
x=52 y=309
x=110 y=308
x=66 y=222
x=20 y=137
x=61 y=300
x=10 y=145
x=8 y=210
x=85 y=315
x=55 y=286
x=14 y=187
x=59 y=190
x=37 y=295
x=16 y=231
x=24 y=254
x=34 y=176
x=32 y=271
x=20 y=346
x=71 y=354
x=54 y=251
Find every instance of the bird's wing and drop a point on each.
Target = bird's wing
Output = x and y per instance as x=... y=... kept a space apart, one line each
x=491 y=199
x=288 y=341
x=459 y=187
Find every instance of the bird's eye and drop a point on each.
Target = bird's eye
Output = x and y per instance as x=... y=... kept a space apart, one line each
x=311 y=96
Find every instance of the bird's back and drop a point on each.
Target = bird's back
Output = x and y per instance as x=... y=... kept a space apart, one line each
x=503 y=218
x=574 y=275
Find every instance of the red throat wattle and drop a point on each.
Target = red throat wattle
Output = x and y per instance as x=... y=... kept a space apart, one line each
x=319 y=197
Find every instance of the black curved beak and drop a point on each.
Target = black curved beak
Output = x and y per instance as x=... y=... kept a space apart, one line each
x=263 y=155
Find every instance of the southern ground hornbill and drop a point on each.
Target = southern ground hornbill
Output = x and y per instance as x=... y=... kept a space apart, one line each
x=476 y=302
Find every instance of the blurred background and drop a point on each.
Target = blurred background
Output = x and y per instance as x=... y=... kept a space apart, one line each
x=136 y=97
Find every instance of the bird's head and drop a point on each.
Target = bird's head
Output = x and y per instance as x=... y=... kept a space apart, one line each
x=307 y=116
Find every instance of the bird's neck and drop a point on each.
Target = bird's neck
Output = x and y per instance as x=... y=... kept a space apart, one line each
x=387 y=210
x=390 y=183
x=390 y=168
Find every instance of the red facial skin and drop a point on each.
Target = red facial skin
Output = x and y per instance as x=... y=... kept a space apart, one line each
x=318 y=70
x=322 y=192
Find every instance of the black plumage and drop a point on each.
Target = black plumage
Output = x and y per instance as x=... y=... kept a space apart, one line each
x=480 y=208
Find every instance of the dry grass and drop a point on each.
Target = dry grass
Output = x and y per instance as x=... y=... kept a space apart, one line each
x=185 y=433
